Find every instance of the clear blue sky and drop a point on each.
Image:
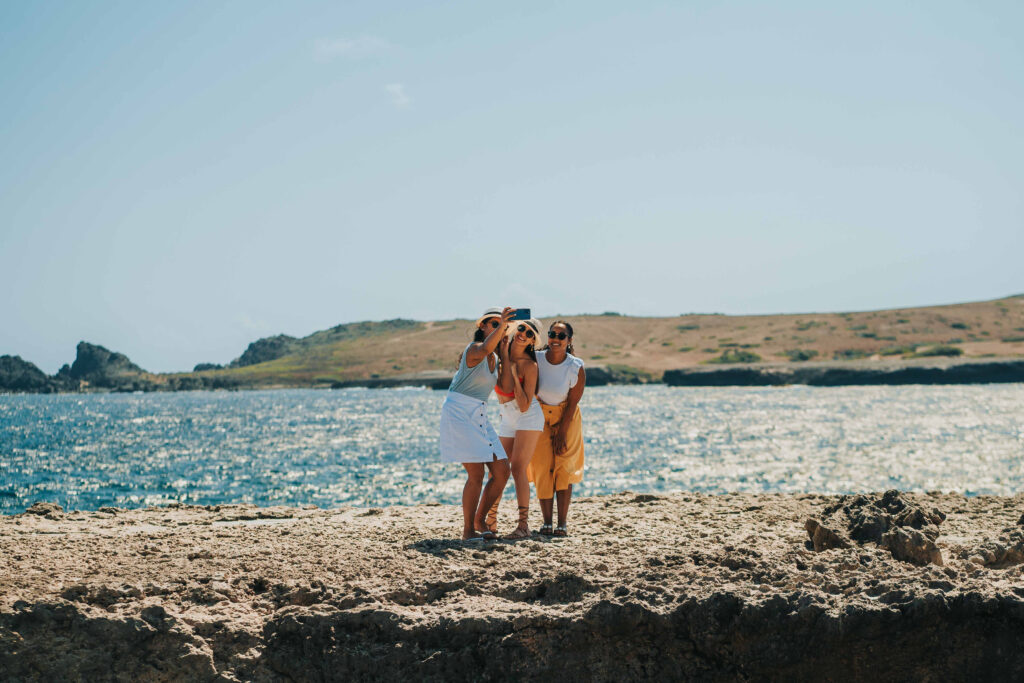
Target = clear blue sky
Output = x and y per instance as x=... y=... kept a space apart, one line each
x=179 y=179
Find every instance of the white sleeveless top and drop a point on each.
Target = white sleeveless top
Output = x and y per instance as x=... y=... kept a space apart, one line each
x=555 y=381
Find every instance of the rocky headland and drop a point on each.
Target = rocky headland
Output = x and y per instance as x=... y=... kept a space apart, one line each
x=887 y=586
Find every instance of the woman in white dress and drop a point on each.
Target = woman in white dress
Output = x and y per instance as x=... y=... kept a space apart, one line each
x=466 y=435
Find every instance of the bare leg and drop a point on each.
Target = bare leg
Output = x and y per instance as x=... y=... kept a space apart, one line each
x=491 y=523
x=492 y=491
x=563 y=504
x=522 y=453
x=470 y=496
x=546 y=508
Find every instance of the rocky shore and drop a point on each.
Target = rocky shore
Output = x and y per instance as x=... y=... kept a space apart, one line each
x=730 y=587
x=929 y=371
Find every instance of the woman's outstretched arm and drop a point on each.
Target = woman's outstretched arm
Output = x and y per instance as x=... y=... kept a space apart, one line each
x=479 y=350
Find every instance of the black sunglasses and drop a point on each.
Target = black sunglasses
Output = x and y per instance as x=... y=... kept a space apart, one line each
x=524 y=328
x=556 y=335
x=494 y=323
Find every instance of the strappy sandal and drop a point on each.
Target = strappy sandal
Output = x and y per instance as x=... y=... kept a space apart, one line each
x=522 y=530
x=561 y=530
x=488 y=535
x=492 y=517
x=546 y=530
x=519 y=534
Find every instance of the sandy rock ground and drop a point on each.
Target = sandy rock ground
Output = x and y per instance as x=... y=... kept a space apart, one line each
x=680 y=586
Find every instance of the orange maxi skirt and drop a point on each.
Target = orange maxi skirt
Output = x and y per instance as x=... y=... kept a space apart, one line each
x=550 y=472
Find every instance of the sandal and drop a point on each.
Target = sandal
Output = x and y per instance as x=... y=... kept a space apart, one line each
x=522 y=530
x=492 y=517
x=488 y=535
x=546 y=530
x=561 y=530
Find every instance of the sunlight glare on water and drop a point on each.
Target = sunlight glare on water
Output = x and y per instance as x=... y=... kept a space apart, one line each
x=380 y=447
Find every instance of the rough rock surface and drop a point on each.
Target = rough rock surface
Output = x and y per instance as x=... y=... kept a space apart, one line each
x=266 y=349
x=889 y=520
x=672 y=586
x=17 y=374
x=100 y=367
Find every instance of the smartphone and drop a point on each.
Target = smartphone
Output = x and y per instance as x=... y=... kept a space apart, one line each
x=522 y=314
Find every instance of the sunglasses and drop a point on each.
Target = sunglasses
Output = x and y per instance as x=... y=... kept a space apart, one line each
x=494 y=323
x=556 y=335
x=527 y=330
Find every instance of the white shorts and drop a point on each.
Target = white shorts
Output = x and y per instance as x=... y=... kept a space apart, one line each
x=513 y=421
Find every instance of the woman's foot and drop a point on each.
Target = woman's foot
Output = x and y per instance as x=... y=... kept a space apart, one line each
x=519 y=533
x=487 y=535
x=546 y=529
x=561 y=530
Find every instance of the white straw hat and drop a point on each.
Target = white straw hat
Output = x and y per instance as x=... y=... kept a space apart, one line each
x=493 y=312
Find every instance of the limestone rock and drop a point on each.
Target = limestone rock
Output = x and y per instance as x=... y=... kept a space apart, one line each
x=906 y=529
x=48 y=510
x=910 y=545
x=823 y=538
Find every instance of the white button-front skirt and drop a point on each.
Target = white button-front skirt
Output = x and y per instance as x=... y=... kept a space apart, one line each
x=466 y=434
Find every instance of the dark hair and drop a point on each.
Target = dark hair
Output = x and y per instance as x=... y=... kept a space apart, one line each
x=568 y=347
x=478 y=336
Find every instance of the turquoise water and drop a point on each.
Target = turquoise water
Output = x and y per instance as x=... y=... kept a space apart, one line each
x=379 y=447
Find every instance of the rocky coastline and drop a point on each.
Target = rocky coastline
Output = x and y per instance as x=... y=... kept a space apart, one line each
x=891 y=586
x=852 y=373
x=98 y=370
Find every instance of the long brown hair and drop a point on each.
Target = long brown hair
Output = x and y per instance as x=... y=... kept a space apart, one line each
x=478 y=336
x=568 y=347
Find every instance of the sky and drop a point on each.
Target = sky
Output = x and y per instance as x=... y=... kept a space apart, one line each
x=180 y=179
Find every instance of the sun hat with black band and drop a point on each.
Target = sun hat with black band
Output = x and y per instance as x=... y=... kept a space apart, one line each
x=494 y=312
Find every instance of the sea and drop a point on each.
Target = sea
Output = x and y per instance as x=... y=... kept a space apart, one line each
x=379 y=447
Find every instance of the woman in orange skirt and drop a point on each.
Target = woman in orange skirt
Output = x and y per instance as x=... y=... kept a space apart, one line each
x=557 y=461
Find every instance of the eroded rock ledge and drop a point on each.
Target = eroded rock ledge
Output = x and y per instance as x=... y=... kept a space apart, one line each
x=676 y=586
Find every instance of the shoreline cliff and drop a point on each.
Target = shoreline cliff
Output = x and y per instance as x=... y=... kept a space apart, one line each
x=892 y=586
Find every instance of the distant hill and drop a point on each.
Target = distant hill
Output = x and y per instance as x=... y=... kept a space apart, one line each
x=616 y=347
x=644 y=348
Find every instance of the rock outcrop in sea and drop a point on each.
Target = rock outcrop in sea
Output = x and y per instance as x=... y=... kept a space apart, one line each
x=675 y=586
x=20 y=375
x=99 y=367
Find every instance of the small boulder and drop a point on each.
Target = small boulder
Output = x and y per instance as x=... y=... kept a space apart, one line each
x=48 y=510
x=910 y=545
x=823 y=538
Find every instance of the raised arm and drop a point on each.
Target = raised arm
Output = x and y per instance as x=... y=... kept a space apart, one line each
x=477 y=351
x=573 y=400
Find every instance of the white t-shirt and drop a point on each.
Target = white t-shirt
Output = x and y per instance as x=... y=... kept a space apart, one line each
x=555 y=381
